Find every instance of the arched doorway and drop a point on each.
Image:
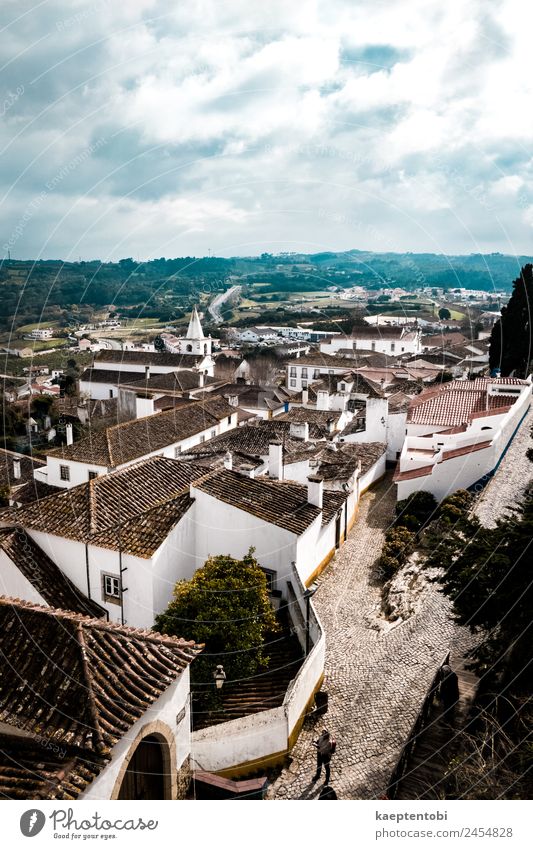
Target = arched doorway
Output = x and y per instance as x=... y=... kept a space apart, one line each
x=148 y=773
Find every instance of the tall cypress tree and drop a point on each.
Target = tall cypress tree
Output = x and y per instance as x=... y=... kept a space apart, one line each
x=511 y=339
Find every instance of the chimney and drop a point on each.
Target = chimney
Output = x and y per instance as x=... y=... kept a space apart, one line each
x=16 y=470
x=147 y=372
x=275 y=460
x=305 y=397
x=315 y=491
x=201 y=380
x=233 y=400
x=70 y=438
x=322 y=399
x=228 y=461
x=299 y=430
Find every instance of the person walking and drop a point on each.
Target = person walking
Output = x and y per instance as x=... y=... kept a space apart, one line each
x=449 y=687
x=325 y=748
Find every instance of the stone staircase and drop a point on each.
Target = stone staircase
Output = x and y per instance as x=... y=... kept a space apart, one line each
x=265 y=690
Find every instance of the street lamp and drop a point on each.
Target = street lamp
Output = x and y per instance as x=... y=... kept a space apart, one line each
x=308 y=595
x=220 y=676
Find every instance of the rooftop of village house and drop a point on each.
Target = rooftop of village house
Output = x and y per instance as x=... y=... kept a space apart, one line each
x=79 y=684
x=126 y=441
x=133 y=509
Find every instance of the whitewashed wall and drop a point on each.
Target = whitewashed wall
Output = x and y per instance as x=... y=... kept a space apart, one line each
x=223 y=529
x=98 y=390
x=79 y=472
x=14 y=584
x=165 y=709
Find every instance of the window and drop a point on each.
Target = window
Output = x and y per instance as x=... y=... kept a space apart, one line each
x=270 y=579
x=403 y=349
x=392 y=346
x=330 y=371
x=229 y=419
x=373 y=346
x=202 y=438
x=293 y=371
x=304 y=384
x=343 y=387
x=64 y=473
x=304 y=372
x=213 y=434
x=111 y=588
x=110 y=393
x=316 y=373
x=293 y=383
x=93 y=475
x=177 y=451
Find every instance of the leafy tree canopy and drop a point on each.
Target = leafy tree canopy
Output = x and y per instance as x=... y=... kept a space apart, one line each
x=487 y=574
x=510 y=341
x=226 y=606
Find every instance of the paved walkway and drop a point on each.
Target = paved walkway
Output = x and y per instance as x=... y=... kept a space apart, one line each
x=508 y=484
x=376 y=680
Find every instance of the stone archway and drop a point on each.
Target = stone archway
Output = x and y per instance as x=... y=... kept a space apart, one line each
x=149 y=769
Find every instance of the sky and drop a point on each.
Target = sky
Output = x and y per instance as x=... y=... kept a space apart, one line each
x=149 y=129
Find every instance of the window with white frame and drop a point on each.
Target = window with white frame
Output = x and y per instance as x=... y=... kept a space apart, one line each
x=293 y=371
x=316 y=373
x=110 y=587
x=213 y=433
x=293 y=383
x=92 y=475
x=202 y=438
x=64 y=473
x=304 y=372
x=177 y=451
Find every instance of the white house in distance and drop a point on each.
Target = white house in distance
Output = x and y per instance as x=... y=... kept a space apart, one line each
x=168 y=434
x=458 y=433
x=111 y=368
x=41 y=333
x=392 y=341
x=100 y=711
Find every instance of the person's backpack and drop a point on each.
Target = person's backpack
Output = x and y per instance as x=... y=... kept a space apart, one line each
x=333 y=743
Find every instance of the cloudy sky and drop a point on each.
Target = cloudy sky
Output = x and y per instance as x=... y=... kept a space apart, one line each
x=151 y=128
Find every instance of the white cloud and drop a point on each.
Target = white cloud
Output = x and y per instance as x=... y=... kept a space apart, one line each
x=236 y=122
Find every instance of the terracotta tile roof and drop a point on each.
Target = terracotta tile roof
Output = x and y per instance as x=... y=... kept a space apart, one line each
x=79 y=683
x=174 y=381
x=103 y=375
x=304 y=414
x=146 y=358
x=338 y=461
x=133 y=509
x=280 y=503
x=32 y=771
x=47 y=578
x=127 y=441
x=27 y=465
x=253 y=439
x=330 y=361
x=457 y=402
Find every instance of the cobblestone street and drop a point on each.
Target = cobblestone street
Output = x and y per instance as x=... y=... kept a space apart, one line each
x=376 y=679
x=511 y=479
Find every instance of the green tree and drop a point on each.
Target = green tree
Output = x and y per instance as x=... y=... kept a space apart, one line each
x=510 y=341
x=487 y=574
x=416 y=511
x=444 y=314
x=226 y=606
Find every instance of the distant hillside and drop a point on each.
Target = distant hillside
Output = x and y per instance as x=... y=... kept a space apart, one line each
x=165 y=287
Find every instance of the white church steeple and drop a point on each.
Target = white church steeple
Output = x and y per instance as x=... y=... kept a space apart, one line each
x=195 y=342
